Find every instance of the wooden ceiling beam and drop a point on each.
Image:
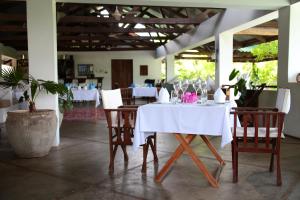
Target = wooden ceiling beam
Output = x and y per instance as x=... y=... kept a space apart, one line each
x=98 y=29
x=102 y=49
x=264 y=31
x=12 y=17
x=100 y=37
x=130 y=20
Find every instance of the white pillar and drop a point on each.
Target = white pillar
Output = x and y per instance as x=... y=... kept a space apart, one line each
x=288 y=63
x=170 y=67
x=224 y=58
x=42 y=49
x=289 y=40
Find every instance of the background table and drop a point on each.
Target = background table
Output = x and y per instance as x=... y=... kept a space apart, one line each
x=144 y=92
x=86 y=95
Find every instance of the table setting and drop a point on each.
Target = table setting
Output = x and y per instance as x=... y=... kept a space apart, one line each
x=186 y=115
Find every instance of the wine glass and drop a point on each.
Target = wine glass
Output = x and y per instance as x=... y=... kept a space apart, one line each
x=174 y=97
x=185 y=86
x=197 y=87
x=204 y=92
x=177 y=86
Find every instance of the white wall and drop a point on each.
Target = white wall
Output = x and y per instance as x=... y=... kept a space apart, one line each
x=102 y=64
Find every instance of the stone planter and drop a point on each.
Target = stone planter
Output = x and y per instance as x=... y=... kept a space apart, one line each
x=31 y=134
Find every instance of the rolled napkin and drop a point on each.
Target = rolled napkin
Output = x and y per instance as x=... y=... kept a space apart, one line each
x=219 y=96
x=163 y=96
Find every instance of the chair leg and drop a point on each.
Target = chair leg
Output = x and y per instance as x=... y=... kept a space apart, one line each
x=234 y=154
x=111 y=154
x=236 y=165
x=154 y=147
x=271 y=168
x=279 y=180
x=145 y=154
x=123 y=146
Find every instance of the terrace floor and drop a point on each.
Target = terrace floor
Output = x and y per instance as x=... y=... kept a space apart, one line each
x=78 y=169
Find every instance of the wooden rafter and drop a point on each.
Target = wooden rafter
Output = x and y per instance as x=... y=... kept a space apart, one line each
x=263 y=31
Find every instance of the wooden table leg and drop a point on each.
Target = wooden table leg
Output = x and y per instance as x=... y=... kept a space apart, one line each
x=177 y=153
x=213 y=149
x=198 y=162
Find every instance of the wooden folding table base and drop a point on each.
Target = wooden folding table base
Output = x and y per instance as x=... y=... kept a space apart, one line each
x=184 y=146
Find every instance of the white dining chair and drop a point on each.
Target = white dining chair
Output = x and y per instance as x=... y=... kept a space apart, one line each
x=121 y=122
x=283 y=101
x=111 y=99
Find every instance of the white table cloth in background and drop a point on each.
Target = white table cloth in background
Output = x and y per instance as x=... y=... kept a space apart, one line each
x=86 y=95
x=211 y=119
x=144 y=92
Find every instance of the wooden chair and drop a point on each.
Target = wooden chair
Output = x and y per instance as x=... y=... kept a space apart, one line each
x=272 y=120
x=127 y=97
x=120 y=123
x=261 y=132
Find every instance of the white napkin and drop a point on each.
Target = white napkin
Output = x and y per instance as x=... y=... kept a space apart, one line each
x=163 y=96
x=210 y=84
x=219 y=96
x=85 y=87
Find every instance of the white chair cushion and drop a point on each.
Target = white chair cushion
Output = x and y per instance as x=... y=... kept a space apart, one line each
x=261 y=132
x=283 y=101
x=111 y=99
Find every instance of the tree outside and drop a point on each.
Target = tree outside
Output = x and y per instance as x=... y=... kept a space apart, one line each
x=194 y=69
x=259 y=72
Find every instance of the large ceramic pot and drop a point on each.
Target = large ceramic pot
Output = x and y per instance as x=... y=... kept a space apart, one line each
x=31 y=134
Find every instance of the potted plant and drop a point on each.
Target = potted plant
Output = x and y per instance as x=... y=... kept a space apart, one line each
x=31 y=132
x=248 y=95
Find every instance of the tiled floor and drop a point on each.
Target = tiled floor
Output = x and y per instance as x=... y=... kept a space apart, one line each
x=78 y=169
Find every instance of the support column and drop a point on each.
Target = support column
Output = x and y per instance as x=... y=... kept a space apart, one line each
x=224 y=58
x=288 y=63
x=288 y=47
x=42 y=49
x=170 y=67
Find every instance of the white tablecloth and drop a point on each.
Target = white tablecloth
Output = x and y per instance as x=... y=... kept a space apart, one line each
x=86 y=95
x=144 y=92
x=212 y=119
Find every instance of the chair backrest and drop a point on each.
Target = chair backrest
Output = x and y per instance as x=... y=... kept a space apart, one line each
x=283 y=101
x=126 y=94
x=258 y=125
x=111 y=99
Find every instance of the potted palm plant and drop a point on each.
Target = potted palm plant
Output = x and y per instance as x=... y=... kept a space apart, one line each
x=31 y=132
x=248 y=97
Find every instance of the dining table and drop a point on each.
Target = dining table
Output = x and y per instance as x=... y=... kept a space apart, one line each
x=86 y=95
x=144 y=92
x=185 y=122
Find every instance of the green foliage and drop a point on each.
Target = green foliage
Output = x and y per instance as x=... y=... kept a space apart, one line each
x=14 y=78
x=194 y=69
x=260 y=73
x=265 y=50
x=11 y=78
x=233 y=74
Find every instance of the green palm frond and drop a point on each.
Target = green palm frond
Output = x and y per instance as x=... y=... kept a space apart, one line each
x=11 y=77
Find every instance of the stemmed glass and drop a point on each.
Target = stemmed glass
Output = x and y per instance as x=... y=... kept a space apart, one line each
x=197 y=87
x=185 y=86
x=204 y=92
x=177 y=87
